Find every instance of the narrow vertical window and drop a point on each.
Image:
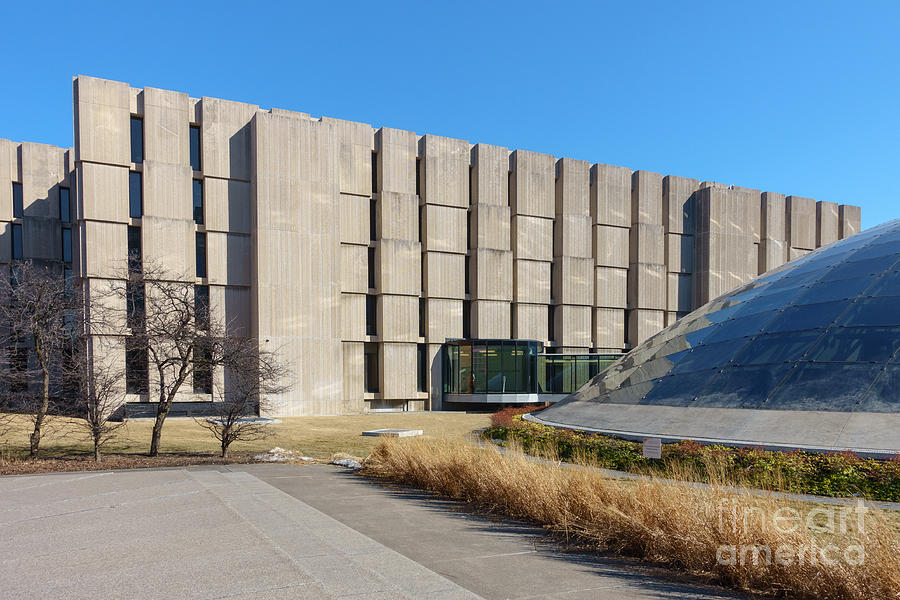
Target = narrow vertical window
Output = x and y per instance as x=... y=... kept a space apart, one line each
x=419 y=177
x=136 y=367
x=65 y=205
x=467 y=319
x=373 y=217
x=17 y=252
x=134 y=249
x=467 y=275
x=469 y=230
x=422 y=317
x=202 y=370
x=201 y=307
x=374 y=172
x=67 y=245
x=195 y=147
x=370 y=356
x=370 y=266
x=137 y=139
x=135 y=195
x=371 y=314
x=551 y=326
x=134 y=305
x=18 y=202
x=509 y=188
x=422 y=364
x=198 y=201
x=201 y=255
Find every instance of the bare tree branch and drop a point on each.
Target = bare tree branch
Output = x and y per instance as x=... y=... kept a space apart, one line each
x=251 y=376
x=39 y=316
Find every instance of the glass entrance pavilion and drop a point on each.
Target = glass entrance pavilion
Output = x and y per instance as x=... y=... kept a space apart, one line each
x=514 y=371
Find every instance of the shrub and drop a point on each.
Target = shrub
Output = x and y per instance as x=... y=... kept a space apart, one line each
x=826 y=474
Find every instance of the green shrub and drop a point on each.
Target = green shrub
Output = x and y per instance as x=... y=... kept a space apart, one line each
x=825 y=474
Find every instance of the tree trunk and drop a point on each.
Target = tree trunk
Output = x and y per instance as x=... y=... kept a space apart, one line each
x=224 y=449
x=96 y=451
x=161 y=413
x=35 y=439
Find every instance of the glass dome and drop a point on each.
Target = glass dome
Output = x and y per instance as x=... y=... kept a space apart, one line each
x=821 y=333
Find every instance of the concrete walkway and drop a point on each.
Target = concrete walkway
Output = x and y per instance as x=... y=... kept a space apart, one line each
x=279 y=531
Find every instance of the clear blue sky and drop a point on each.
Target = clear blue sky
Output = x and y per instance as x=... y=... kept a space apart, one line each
x=793 y=97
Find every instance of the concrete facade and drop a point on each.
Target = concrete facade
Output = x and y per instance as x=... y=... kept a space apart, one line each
x=358 y=251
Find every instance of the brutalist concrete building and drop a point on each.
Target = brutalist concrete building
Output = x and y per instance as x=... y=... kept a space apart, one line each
x=361 y=252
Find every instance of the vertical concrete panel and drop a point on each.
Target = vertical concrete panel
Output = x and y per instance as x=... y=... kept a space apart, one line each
x=102 y=121
x=491 y=319
x=611 y=195
x=849 y=219
x=801 y=222
x=573 y=187
x=227 y=204
x=609 y=330
x=357 y=144
x=827 y=223
x=225 y=138
x=490 y=227
x=678 y=204
x=297 y=294
x=533 y=184
x=353 y=377
x=396 y=160
x=166 y=126
x=445 y=171
x=490 y=175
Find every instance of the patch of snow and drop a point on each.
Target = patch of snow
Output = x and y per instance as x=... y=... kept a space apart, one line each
x=347 y=462
x=277 y=454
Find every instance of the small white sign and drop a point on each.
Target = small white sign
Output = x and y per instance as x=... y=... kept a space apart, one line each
x=652 y=448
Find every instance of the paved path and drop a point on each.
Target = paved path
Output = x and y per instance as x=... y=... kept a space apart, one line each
x=278 y=532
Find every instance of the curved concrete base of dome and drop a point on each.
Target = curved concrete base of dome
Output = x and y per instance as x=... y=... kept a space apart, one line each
x=868 y=434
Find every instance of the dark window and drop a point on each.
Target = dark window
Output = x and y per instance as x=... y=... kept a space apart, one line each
x=136 y=367
x=195 y=147
x=67 y=245
x=201 y=306
x=509 y=188
x=65 y=206
x=469 y=230
x=373 y=216
x=198 y=201
x=422 y=317
x=134 y=249
x=551 y=327
x=18 y=369
x=370 y=266
x=471 y=177
x=134 y=305
x=374 y=172
x=137 y=139
x=201 y=255
x=202 y=370
x=18 y=201
x=422 y=367
x=467 y=319
x=419 y=177
x=370 y=357
x=135 y=195
x=371 y=315
x=17 y=252
x=467 y=285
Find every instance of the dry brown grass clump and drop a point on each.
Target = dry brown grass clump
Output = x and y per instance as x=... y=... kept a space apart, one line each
x=742 y=540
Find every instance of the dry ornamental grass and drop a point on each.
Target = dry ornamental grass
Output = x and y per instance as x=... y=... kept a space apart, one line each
x=738 y=539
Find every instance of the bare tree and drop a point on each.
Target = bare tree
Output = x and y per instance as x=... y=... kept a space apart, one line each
x=94 y=385
x=172 y=327
x=39 y=312
x=251 y=375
